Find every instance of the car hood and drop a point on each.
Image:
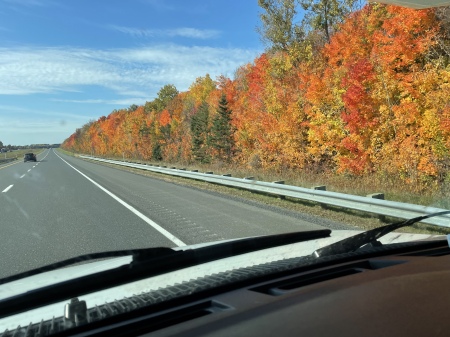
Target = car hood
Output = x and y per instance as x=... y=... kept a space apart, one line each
x=46 y=279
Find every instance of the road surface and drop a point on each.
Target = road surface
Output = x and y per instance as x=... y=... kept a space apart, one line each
x=61 y=207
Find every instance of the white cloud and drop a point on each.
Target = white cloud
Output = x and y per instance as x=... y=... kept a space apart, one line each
x=135 y=93
x=63 y=69
x=180 y=32
x=124 y=101
x=194 y=33
x=45 y=70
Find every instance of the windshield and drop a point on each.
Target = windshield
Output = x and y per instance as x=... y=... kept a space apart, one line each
x=151 y=123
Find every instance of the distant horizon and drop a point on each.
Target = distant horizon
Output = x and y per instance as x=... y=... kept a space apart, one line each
x=30 y=145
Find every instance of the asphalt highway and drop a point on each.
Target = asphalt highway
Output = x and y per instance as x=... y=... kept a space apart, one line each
x=61 y=207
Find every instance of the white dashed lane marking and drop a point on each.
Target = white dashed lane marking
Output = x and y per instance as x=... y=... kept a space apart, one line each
x=7 y=189
x=23 y=175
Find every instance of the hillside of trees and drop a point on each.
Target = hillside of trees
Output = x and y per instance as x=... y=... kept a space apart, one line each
x=346 y=91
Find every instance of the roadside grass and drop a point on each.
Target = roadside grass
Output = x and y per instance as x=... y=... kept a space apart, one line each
x=69 y=153
x=363 y=186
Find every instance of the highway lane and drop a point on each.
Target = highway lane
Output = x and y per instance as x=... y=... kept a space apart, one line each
x=190 y=214
x=14 y=171
x=64 y=207
x=54 y=213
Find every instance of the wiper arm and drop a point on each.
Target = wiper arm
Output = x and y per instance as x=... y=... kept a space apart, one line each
x=357 y=241
x=146 y=263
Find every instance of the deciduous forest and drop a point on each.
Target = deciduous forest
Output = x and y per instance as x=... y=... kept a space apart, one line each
x=348 y=90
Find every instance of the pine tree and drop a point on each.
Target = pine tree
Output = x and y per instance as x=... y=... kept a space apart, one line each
x=200 y=131
x=156 y=152
x=222 y=131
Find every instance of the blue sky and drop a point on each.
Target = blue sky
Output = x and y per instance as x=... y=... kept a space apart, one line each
x=63 y=63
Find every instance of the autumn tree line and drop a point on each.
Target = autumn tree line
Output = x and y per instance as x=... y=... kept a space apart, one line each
x=348 y=89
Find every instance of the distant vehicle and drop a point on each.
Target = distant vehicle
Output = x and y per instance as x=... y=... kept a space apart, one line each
x=29 y=157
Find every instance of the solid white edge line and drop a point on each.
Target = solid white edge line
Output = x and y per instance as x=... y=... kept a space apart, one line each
x=46 y=155
x=164 y=232
x=7 y=189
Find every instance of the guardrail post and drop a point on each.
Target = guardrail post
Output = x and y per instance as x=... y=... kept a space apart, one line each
x=380 y=196
x=250 y=178
x=320 y=188
x=281 y=182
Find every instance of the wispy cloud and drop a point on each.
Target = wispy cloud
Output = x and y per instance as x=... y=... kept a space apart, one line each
x=51 y=70
x=199 y=7
x=192 y=33
x=11 y=111
x=124 y=101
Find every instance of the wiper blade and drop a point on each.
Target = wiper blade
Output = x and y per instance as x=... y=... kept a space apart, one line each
x=146 y=263
x=357 y=241
x=203 y=254
x=86 y=258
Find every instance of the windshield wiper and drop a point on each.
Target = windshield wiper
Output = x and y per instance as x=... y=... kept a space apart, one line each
x=371 y=236
x=203 y=254
x=145 y=263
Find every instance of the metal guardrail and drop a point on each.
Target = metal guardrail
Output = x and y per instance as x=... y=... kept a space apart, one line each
x=381 y=207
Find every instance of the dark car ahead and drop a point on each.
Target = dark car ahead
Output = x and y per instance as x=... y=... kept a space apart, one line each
x=29 y=157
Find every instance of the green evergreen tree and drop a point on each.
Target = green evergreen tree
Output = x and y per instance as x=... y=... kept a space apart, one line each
x=222 y=131
x=156 y=152
x=200 y=131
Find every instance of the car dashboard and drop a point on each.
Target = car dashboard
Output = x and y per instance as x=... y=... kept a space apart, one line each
x=391 y=290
